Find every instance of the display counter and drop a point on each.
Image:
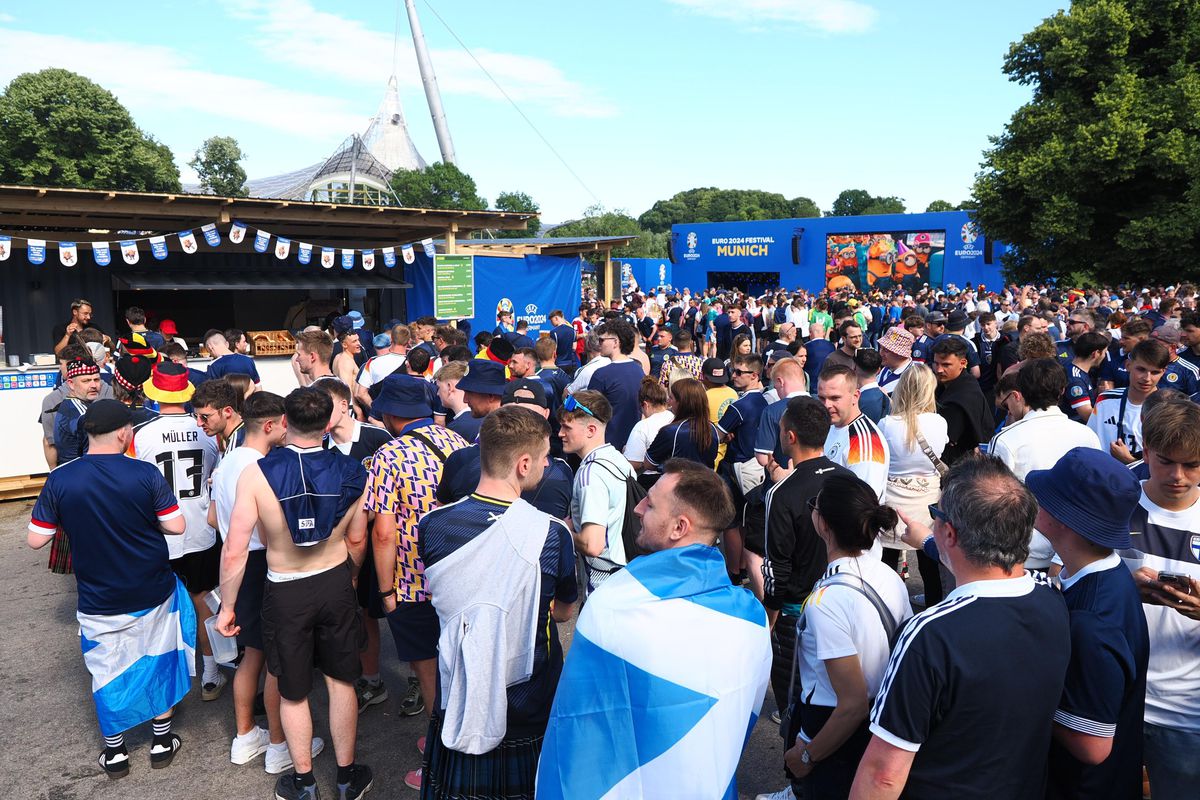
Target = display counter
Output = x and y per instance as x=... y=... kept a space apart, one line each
x=22 y=460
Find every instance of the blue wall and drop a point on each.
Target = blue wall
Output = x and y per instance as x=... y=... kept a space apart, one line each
x=767 y=246
x=535 y=285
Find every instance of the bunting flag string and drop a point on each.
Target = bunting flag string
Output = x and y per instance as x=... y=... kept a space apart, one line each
x=68 y=251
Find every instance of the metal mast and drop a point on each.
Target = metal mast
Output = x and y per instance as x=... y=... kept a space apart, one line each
x=429 y=79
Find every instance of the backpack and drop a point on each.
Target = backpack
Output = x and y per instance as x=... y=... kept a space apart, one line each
x=631 y=524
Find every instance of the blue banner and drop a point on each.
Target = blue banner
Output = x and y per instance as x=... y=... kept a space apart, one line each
x=389 y=257
x=211 y=234
x=261 y=240
x=347 y=259
x=101 y=253
x=305 y=254
x=158 y=247
x=36 y=250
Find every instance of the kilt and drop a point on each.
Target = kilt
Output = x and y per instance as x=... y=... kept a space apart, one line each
x=60 y=553
x=507 y=772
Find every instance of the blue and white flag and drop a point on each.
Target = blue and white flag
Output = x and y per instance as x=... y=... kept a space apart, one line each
x=663 y=684
x=5 y=247
x=101 y=253
x=429 y=248
x=237 y=232
x=347 y=259
x=129 y=251
x=389 y=257
x=282 y=248
x=407 y=252
x=158 y=247
x=368 y=259
x=211 y=234
x=68 y=254
x=305 y=254
x=36 y=250
x=261 y=240
x=141 y=664
x=187 y=242
x=328 y=256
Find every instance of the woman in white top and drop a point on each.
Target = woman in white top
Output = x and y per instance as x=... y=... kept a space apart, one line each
x=652 y=400
x=913 y=481
x=844 y=639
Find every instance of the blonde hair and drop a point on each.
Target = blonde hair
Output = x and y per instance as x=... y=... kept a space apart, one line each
x=913 y=396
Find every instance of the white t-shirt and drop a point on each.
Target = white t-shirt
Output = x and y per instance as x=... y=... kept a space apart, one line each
x=584 y=373
x=1103 y=421
x=598 y=496
x=186 y=457
x=643 y=433
x=224 y=489
x=840 y=621
x=378 y=368
x=908 y=461
x=861 y=448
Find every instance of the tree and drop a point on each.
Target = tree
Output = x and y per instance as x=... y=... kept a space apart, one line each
x=724 y=205
x=217 y=164
x=597 y=221
x=58 y=128
x=521 y=202
x=438 y=185
x=1099 y=171
x=856 y=202
x=940 y=205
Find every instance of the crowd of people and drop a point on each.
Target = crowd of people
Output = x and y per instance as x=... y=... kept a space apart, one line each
x=726 y=492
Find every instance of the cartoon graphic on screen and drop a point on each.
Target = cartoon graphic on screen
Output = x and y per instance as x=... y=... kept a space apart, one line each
x=866 y=261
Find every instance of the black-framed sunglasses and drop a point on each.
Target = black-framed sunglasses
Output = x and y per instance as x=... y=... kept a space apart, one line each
x=571 y=404
x=937 y=513
x=742 y=372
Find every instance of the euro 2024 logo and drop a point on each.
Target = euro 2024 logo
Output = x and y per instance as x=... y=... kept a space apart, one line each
x=970 y=232
x=691 y=242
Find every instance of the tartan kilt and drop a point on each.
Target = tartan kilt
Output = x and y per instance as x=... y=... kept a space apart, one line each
x=60 y=553
x=506 y=773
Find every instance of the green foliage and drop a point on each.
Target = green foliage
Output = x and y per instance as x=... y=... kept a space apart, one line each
x=518 y=201
x=940 y=205
x=439 y=185
x=597 y=221
x=1100 y=172
x=58 y=128
x=856 y=202
x=217 y=162
x=724 y=205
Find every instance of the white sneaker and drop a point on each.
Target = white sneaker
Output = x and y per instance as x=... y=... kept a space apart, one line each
x=279 y=758
x=785 y=793
x=249 y=746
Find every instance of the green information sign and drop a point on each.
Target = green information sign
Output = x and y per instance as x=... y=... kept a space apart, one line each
x=453 y=286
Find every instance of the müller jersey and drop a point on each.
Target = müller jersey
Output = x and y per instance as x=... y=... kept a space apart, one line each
x=186 y=457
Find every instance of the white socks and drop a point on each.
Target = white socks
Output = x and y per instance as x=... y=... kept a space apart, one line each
x=210 y=670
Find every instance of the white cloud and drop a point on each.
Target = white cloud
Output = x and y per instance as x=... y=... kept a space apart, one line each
x=826 y=16
x=7 y=18
x=147 y=77
x=295 y=33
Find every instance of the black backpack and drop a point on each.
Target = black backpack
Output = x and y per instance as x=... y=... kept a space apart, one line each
x=631 y=525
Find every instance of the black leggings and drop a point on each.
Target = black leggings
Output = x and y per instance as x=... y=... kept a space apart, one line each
x=891 y=557
x=931 y=577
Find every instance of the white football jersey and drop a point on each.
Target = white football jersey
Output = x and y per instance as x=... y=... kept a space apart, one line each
x=186 y=456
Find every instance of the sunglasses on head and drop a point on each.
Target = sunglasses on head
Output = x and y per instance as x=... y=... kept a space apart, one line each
x=571 y=404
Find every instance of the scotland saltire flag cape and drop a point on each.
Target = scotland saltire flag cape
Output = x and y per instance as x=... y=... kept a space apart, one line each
x=662 y=686
x=142 y=664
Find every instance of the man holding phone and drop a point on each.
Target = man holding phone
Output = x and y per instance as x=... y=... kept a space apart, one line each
x=1165 y=533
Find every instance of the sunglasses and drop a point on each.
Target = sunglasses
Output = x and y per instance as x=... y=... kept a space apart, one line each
x=937 y=513
x=742 y=372
x=571 y=404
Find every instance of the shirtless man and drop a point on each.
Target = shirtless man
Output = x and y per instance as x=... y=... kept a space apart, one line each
x=344 y=365
x=309 y=584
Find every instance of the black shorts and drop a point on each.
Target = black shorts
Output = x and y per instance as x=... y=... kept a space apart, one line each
x=415 y=629
x=312 y=622
x=754 y=520
x=199 y=571
x=368 y=586
x=248 y=607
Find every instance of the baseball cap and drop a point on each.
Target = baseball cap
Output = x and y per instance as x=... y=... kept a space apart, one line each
x=957 y=320
x=381 y=341
x=936 y=317
x=525 y=390
x=715 y=371
x=106 y=416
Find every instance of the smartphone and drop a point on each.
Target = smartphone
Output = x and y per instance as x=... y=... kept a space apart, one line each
x=1181 y=582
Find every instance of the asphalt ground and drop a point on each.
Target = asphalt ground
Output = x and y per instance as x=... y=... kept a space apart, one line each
x=48 y=722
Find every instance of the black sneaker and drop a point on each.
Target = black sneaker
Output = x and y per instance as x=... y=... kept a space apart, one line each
x=358 y=785
x=162 y=753
x=286 y=788
x=413 y=702
x=116 y=764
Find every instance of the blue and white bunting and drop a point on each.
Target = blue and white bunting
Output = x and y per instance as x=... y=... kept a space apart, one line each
x=129 y=251
x=211 y=234
x=5 y=247
x=389 y=257
x=36 y=250
x=237 y=232
x=347 y=259
x=68 y=254
x=282 y=248
x=101 y=254
x=261 y=240
x=368 y=259
x=158 y=247
x=407 y=252
x=187 y=242
x=328 y=257
x=305 y=254
x=429 y=248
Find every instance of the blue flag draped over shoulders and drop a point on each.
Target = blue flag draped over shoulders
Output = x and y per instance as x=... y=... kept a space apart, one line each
x=663 y=683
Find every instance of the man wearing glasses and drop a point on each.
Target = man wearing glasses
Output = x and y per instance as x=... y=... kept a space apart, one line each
x=1079 y=322
x=216 y=405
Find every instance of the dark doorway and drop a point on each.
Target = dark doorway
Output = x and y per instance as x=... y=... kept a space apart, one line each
x=755 y=283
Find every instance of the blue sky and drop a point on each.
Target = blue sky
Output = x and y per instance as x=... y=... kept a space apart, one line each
x=642 y=99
